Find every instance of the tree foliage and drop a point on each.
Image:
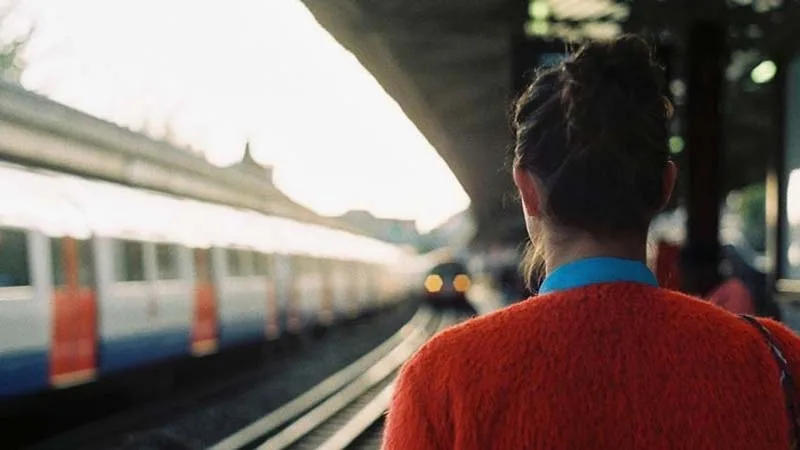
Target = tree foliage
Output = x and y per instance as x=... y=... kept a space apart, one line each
x=11 y=47
x=754 y=215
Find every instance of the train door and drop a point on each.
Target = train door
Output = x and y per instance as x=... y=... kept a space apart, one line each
x=73 y=354
x=204 y=323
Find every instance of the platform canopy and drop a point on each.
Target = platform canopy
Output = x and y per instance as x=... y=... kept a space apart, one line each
x=454 y=66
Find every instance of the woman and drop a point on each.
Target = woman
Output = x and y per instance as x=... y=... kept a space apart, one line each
x=734 y=296
x=602 y=358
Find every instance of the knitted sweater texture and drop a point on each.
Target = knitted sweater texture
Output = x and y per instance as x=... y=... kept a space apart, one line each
x=607 y=366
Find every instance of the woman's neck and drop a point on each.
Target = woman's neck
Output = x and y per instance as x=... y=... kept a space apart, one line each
x=560 y=250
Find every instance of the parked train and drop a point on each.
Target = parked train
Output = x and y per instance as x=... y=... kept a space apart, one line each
x=98 y=278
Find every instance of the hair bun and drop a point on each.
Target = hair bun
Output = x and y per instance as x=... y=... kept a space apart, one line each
x=626 y=62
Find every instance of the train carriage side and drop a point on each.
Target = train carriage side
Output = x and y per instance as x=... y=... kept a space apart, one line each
x=340 y=282
x=306 y=291
x=265 y=268
x=242 y=305
x=47 y=334
x=86 y=293
x=281 y=301
x=145 y=307
x=376 y=272
x=363 y=291
x=239 y=266
x=24 y=313
x=143 y=273
x=339 y=257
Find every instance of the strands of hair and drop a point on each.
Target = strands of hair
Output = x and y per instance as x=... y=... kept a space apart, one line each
x=592 y=132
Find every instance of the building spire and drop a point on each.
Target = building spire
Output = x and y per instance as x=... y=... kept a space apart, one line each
x=250 y=164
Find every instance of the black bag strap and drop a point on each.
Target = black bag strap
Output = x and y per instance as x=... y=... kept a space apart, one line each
x=786 y=379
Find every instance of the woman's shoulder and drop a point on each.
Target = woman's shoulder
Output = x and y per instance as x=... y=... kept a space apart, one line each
x=730 y=324
x=476 y=338
x=497 y=334
x=787 y=338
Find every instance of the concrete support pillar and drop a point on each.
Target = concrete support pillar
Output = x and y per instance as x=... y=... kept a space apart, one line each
x=707 y=54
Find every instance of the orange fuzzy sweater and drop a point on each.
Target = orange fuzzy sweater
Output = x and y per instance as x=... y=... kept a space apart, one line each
x=607 y=366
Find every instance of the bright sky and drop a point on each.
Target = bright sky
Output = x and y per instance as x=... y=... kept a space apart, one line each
x=224 y=71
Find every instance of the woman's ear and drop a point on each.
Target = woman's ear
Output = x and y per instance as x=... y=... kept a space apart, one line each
x=528 y=191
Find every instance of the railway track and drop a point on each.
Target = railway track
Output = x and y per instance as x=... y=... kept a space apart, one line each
x=346 y=407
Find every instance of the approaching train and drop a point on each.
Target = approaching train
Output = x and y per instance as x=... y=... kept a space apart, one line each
x=446 y=285
x=98 y=278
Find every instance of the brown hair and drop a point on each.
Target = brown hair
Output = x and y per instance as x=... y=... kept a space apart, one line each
x=592 y=130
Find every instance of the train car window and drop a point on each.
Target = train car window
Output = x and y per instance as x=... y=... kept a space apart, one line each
x=304 y=265
x=791 y=196
x=14 y=265
x=240 y=263
x=57 y=255
x=260 y=263
x=202 y=264
x=128 y=261
x=324 y=267
x=248 y=268
x=298 y=267
x=85 y=263
x=310 y=265
x=234 y=263
x=85 y=256
x=167 y=257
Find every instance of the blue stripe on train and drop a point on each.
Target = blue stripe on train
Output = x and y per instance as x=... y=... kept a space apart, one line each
x=24 y=371
x=131 y=351
x=27 y=371
x=233 y=332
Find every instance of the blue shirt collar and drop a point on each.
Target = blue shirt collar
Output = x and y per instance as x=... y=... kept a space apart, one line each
x=584 y=272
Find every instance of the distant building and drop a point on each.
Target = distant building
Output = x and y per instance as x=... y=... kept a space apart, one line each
x=457 y=231
x=396 y=231
x=249 y=164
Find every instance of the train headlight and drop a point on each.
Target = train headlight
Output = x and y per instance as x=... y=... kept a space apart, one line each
x=433 y=283
x=461 y=283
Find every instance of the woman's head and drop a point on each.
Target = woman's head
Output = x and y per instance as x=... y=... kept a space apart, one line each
x=591 y=156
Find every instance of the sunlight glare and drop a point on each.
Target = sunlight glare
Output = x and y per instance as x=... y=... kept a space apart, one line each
x=214 y=75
